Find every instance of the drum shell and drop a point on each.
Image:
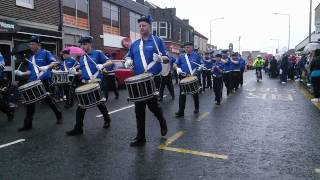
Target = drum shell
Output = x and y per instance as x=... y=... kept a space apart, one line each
x=140 y=89
x=60 y=77
x=89 y=98
x=190 y=87
x=32 y=92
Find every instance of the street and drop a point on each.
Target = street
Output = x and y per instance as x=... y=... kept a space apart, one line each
x=265 y=130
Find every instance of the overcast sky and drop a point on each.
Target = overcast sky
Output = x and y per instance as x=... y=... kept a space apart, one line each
x=253 y=20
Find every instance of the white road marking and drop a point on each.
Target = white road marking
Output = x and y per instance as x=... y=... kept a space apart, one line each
x=117 y=110
x=12 y=143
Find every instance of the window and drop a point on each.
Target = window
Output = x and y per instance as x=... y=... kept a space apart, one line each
x=111 y=12
x=163 y=26
x=82 y=5
x=187 y=36
x=169 y=30
x=25 y=3
x=155 y=28
x=180 y=34
x=134 y=25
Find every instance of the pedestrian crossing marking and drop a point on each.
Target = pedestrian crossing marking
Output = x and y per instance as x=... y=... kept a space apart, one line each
x=317 y=170
x=165 y=146
x=202 y=116
x=12 y=143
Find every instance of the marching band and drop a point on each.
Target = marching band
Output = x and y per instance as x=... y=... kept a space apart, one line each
x=153 y=69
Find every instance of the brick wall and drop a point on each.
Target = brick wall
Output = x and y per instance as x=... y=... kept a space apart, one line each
x=72 y=21
x=111 y=30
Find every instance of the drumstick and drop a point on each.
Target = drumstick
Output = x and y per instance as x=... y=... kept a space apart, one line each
x=155 y=43
x=19 y=66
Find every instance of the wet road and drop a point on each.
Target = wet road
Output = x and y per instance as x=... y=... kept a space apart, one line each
x=264 y=131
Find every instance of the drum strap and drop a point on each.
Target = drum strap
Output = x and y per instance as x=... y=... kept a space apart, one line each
x=189 y=65
x=65 y=66
x=143 y=58
x=85 y=61
x=36 y=70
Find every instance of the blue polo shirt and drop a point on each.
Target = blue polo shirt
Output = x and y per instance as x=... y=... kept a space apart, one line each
x=208 y=63
x=182 y=62
x=149 y=48
x=215 y=71
x=98 y=57
x=227 y=66
x=70 y=62
x=1 y=62
x=235 y=66
x=42 y=58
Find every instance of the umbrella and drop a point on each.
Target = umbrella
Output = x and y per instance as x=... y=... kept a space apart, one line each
x=74 y=51
x=20 y=48
x=312 y=47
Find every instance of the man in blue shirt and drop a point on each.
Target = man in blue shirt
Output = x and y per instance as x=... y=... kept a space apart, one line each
x=2 y=65
x=187 y=65
x=144 y=57
x=68 y=64
x=227 y=68
x=235 y=71
x=243 y=65
x=39 y=67
x=217 y=80
x=91 y=65
x=206 y=74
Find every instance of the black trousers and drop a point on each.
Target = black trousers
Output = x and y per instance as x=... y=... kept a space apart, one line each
x=217 y=88
x=140 y=110
x=241 y=77
x=166 y=81
x=81 y=112
x=235 y=79
x=110 y=83
x=206 y=75
x=316 y=86
x=284 y=75
x=157 y=81
x=31 y=108
x=183 y=99
x=227 y=79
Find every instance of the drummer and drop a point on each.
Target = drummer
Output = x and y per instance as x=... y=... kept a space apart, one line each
x=187 y=65
x=142 y=53
x=91 y=65
x=40 y=68
x=68 y=64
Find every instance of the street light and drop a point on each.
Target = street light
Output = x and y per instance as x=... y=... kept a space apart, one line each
x=211 y=24
x=289 y=25
x=276 y=40
x=310 y=16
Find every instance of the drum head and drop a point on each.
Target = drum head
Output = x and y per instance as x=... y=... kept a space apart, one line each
x=87 y=87
x=60 y=72
x=189 y=79
x=30 y=84
x=139 y=77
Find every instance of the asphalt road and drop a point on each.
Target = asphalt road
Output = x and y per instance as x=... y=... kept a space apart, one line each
x=264 y=131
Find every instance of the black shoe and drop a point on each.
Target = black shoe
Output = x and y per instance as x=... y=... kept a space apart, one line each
x=25 y=128
x=138 y=142
x=106 y=124
x=196 y=111
x=218 y=103
x=74 y=132
x=164 y=128
x=117 y=96
x=178 y=114
x=160 y=99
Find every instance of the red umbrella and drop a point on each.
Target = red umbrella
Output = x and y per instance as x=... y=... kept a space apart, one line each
x=75 y=51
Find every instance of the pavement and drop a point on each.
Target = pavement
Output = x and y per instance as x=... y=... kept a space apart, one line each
x=265 y=130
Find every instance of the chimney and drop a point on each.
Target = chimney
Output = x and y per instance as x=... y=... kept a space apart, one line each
x=140 y=1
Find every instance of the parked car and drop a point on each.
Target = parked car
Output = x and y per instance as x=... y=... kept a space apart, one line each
x=121 y=72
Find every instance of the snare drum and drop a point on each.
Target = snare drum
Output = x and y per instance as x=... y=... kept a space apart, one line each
x=60 y=77
x=89 y=95
x=32 y=92
x=140 y=87
x=189 y=85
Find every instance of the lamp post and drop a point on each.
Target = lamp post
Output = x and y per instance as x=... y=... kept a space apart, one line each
x=211 y=25
x=278 y=43
x=289 y=17
x=310 y=17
